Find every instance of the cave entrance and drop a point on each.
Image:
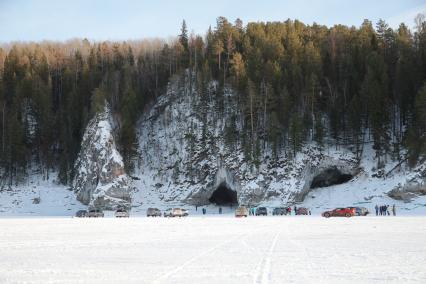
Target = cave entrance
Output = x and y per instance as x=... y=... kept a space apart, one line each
x=224 y=195
x=329 y=177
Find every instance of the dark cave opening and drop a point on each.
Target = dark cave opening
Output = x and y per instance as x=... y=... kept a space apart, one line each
x=330 y=176
x=224 y=195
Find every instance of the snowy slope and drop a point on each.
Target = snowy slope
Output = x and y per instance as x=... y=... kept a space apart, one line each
x=367 y=191
x=55 y=199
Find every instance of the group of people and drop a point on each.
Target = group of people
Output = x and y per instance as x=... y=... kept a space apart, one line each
x=383 y=210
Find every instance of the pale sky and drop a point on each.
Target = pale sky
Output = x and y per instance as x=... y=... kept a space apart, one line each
x=35 y=20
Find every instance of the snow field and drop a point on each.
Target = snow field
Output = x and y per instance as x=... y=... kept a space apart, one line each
x=219 y=249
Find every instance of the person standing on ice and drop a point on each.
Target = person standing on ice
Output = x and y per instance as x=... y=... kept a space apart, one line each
x=387 y=210
x=377 y=210
x=220 y=210
x=393 y=210
x=295 y=210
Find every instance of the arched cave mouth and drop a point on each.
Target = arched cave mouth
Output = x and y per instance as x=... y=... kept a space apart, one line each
x=224 y=195
x=329 y=177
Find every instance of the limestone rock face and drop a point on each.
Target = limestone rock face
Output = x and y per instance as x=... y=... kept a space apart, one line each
x=100 y=179
x=191 y=144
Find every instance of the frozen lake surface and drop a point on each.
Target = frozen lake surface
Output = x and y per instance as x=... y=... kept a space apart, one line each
x=213 y=249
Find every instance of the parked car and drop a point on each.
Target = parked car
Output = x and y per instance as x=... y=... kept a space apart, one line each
x=241 y=211
x=360 y=211
x=339 y=212
x=364 y=211
x=177 y=212
x=185 y=212
x=167 y=213
x=302 y=211
x=261 y=211
x=153 y=212
x=95 y=213
x=279 y=211
x=122 y=213
x=81 y=213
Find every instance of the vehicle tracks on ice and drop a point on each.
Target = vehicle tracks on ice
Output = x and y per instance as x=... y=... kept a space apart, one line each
x=263 y=270
x=181 y=267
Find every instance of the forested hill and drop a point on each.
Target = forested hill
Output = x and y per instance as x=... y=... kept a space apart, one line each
x=296 y=84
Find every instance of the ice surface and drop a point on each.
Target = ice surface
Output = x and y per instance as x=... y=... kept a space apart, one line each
x=288 y=249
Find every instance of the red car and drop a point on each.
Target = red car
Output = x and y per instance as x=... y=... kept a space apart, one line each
x=339 y=212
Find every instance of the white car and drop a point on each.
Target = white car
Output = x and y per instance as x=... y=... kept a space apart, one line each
x=241 y=211
x=185 y=212
x=122 y=213
x=177 y=212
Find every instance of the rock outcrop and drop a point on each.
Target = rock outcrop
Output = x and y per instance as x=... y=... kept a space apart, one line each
x=191 y=145
x=100 y=179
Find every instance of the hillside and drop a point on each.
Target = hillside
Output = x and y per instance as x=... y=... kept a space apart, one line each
x=184 y=159
x=263 y=113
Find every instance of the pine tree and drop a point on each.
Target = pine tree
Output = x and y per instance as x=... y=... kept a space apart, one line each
x=184 y=41
x=296 y=133
x=416 y=134
x=375 y=92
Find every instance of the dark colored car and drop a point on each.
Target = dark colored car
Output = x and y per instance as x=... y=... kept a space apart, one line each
x=303 y=211
x=81 y=213
x=360 y=211
x=261 y=211
x=339 y=212
x=153 y=212
x=95 y=213
x=279 y=211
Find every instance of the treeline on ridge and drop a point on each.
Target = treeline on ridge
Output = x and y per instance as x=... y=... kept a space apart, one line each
x=296 y=83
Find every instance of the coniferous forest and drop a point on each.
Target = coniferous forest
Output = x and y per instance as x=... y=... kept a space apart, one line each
x=297 y=83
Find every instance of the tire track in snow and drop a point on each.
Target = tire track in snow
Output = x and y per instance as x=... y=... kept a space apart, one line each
x=195 y=258
x=263 y=270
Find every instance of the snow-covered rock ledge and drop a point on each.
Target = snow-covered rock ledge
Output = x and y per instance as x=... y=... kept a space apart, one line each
x=100 y=178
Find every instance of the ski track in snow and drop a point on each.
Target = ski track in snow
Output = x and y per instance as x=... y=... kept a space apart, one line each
x=263 y=272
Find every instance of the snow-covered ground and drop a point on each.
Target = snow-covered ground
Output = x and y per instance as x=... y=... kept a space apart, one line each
x=213 y=250
x=55 y=199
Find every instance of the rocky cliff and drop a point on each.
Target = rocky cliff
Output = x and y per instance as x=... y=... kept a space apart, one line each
x=185 y=155
x=100 y=178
